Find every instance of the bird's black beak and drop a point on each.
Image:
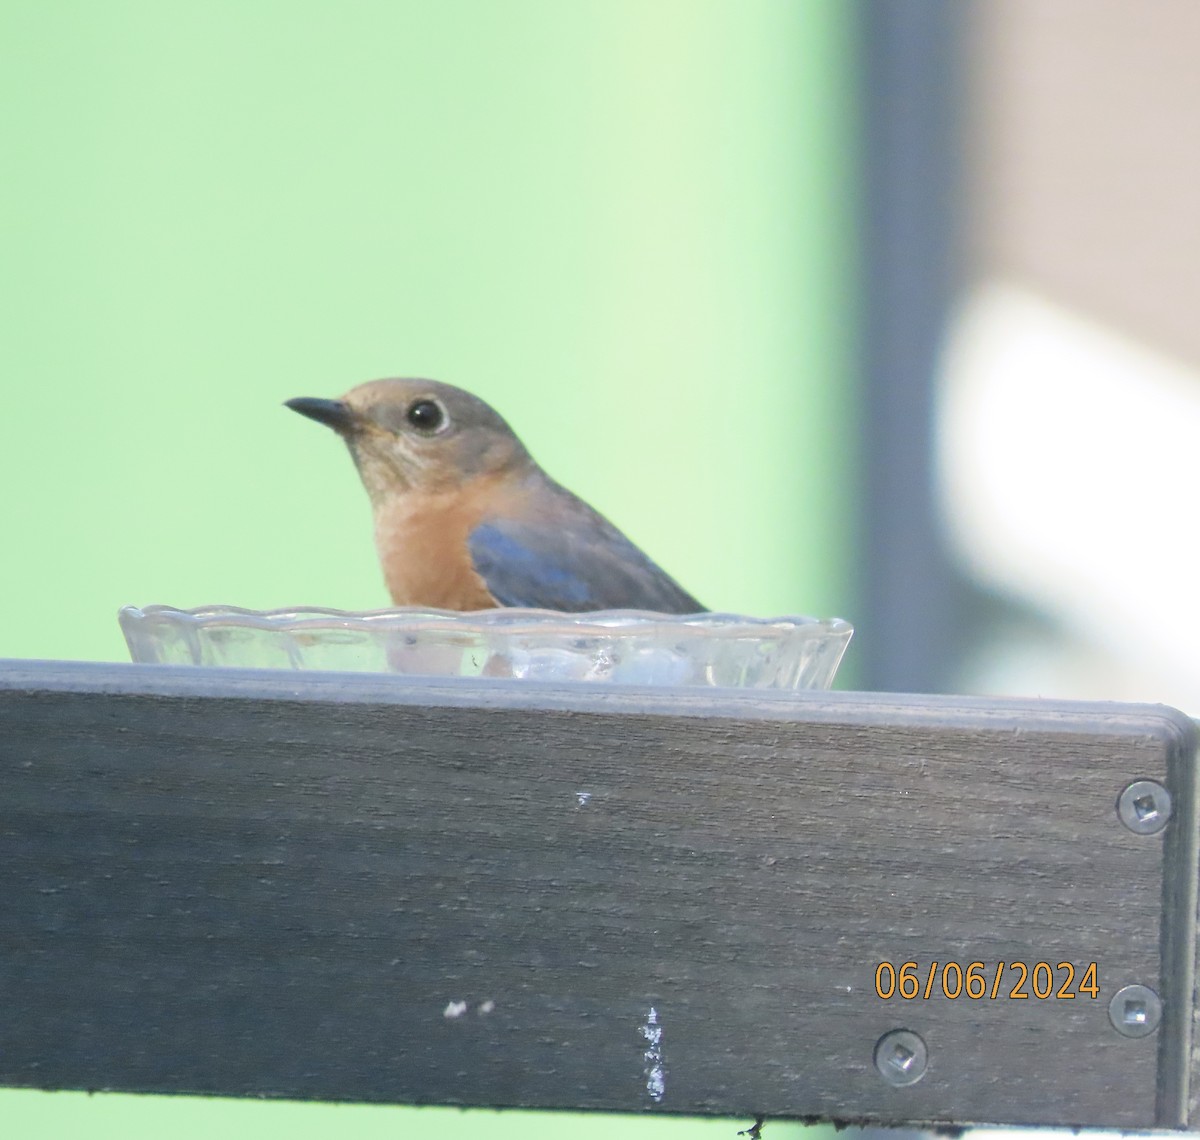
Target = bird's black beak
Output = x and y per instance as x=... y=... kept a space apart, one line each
x=332 y=413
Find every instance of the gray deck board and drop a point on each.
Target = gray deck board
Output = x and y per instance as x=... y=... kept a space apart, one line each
x=492 y=893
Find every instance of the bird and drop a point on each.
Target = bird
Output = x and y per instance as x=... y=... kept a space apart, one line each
x=465 y=519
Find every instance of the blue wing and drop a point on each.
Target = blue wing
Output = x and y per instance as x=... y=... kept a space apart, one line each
x=572 y=560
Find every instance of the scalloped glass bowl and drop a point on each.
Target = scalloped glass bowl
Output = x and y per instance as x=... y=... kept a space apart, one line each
x=620 y=646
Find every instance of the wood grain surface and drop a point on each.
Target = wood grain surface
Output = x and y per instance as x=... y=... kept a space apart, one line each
x=493 y=893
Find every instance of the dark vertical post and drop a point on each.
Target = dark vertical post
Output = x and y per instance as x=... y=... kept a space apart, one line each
x=911 y=95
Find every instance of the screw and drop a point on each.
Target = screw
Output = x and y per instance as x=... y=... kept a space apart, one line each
x=1144 y=807
x=901 y=1057
x=1135 y=1011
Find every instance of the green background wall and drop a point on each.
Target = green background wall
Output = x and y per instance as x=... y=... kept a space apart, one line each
x=626 y=223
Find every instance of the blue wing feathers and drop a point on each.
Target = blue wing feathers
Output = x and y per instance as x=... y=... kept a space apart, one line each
x=565 y=556
x=517 y=574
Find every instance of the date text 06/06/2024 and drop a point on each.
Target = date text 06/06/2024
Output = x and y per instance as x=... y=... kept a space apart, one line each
x=976 y=980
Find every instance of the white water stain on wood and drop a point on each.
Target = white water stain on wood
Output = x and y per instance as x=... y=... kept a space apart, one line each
x=656 y=1083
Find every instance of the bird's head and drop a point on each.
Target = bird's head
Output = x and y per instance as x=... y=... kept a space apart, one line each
x=417 y=435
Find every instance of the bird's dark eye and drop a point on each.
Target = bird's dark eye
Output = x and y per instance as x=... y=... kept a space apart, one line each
x=426 y=416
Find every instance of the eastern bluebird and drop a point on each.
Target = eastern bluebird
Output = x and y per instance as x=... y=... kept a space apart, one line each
x=466 y=520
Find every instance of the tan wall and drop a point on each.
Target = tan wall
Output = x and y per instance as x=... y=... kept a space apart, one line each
x=1084 y=151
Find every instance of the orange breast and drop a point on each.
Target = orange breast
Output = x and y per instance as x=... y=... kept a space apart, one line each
x=422 y=545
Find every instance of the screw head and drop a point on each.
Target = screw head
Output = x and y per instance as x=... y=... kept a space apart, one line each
x=901 y=1057
x=1144 y=807
x=1135 y=1011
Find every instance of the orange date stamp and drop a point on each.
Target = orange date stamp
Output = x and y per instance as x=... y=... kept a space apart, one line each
x=979 y=980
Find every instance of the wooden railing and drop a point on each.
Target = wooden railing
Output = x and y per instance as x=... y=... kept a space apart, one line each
x=356 y=887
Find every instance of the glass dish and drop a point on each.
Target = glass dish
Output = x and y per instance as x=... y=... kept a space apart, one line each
x=619 y=646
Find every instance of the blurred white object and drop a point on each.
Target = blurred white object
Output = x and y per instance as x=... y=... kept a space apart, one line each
x=1070 y=465
x=618 y=646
